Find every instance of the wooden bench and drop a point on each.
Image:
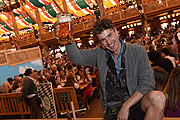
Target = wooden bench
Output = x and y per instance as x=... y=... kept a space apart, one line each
x=63 y=98
x=11 y=104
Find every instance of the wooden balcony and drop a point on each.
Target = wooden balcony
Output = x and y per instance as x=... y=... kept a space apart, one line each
x=155 y=6
x=27 y=40
x=83 y=26
x=173 y=3
x=47 y=37
x=6 y=46
x=119 y=16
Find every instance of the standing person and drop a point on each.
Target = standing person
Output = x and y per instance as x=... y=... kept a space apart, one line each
x=126 y=77
x=29 y=93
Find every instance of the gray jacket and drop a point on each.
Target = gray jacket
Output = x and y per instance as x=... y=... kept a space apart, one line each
x=139 y=73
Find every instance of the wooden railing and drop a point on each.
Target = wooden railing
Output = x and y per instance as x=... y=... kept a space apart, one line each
x=6 y=46
x=119 y=15
x=20 y=56
x=3 y=58
x=23 y=56
x=47 y=36
x=155 y=6
x=11 y=104
x=26 y=40
x=63 y=98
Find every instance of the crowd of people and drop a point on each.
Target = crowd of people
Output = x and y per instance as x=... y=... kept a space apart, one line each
x=61 y=73
x=155 y=66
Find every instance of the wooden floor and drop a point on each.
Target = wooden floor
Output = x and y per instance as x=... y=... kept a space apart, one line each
x=95 y=110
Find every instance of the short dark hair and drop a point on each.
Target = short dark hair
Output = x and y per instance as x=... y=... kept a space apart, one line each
x=101 y=25
x=10 y=79
x=165 y=51
x=21 y=75
x=28 y=72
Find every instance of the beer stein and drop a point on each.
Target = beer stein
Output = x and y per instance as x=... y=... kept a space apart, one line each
x=63 y=28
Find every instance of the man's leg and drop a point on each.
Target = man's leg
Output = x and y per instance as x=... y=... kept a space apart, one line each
x=153 y=103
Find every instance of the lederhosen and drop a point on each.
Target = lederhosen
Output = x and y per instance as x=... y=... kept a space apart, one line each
x=115 y=87
x=117 y=92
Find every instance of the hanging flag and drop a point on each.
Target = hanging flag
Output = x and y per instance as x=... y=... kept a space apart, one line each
x=45 y=92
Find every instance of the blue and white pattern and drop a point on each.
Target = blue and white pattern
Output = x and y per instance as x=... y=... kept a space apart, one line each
x=45 y=92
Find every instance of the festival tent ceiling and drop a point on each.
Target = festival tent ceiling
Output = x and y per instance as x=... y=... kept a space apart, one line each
x=25 y=12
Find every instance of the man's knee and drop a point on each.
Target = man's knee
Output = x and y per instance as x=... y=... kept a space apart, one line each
x=157 y=99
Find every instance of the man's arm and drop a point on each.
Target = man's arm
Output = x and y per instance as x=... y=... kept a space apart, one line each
x=82 y=57
x=124 y=111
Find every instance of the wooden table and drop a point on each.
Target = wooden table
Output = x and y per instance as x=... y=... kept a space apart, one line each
x=82 y=86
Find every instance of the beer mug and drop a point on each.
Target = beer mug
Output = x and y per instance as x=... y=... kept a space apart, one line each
x=63 y=28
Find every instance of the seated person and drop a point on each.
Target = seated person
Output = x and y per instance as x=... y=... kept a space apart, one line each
x=161 y=77
x=172 y=92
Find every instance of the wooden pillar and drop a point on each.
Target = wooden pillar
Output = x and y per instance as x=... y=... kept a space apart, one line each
x=65 y=6
x=39 y=22
x=85 y=41
x=146 y=25
x=101 y=8
x=45 y=50
x=15 y=26
x=18 y=37
x=155 y=25
x=57 y=6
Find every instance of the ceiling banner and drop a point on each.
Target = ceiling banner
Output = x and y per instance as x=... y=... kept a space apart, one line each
x=16 y=14
x=117 y=2
x=50 y=10
x=45 y=2
x=75 y=6
x=2 y=28
x=22 y=20
x=107 y=4
x=18 y=11
x=7 y=28
x=30 y=4
x=36 y=3
x=82 y=3
x=55 y=8
x=45 y=13
x=28 y=19
x=88 y=10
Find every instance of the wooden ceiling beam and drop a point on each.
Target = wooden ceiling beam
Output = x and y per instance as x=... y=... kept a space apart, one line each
x=15 y=26
x=31 y=16
x=65 y=6
x=57 y=5
x=39 y=22
x=101 y=8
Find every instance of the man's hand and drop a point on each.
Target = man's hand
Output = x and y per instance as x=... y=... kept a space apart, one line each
x=123 y=113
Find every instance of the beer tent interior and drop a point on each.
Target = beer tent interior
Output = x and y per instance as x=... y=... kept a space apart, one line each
x=24 y=13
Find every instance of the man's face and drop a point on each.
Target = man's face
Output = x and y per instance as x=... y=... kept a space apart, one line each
x=109 y=39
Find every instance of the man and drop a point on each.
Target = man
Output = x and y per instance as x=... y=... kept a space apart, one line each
x=126 y=77
x=7 y=86
x=29 y=93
